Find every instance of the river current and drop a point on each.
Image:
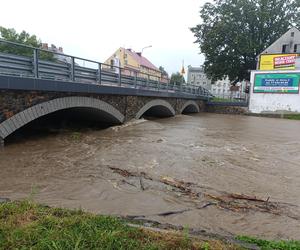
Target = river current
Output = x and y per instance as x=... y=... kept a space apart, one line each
x=223 y=174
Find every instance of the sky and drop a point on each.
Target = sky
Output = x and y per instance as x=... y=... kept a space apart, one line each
x=95 y=29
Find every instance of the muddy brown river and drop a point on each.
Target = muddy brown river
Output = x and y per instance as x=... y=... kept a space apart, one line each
x=219 y=173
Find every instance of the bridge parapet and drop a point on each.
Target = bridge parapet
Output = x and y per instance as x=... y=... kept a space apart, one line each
x=72 y=69
x=32 y=88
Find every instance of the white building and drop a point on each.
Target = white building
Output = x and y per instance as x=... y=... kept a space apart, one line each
x=221 y=88
x=275 y=87
x=275 y=92
x=197 y=77
x=287 y=43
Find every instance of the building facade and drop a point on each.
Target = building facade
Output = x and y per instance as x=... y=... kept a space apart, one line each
x=197 y=77
x=287 y=43
x=221 y=88
x=133 y=63
x=275 y=84
x=283 y=54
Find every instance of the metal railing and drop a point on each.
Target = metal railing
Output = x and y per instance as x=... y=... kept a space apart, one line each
x=229 y=99
x=63 y=67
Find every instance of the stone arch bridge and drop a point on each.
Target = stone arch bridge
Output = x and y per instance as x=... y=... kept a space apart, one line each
x=19 y=108
x=32 y=87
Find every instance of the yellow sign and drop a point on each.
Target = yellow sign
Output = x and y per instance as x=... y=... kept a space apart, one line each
x=277 y=61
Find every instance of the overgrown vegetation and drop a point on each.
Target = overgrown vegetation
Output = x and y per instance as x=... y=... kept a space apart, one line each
x=270 y=245
x=26 y=225
x=292 y=116
x=220 y=99
x=22 y=38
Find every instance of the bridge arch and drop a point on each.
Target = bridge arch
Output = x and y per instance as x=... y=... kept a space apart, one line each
x=30 y=114
x=190 y=107
x=158 y=108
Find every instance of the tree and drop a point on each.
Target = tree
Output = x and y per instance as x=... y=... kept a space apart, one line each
x=163 y=71
x=22 y=38
x=234 y=32
x=177 y=79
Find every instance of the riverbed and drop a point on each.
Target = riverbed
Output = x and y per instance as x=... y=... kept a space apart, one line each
x=224 y=174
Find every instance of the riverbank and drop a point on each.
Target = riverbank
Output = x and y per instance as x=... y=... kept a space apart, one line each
x=27 y=225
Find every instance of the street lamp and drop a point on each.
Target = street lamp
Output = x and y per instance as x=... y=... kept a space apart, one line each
x=149 y=46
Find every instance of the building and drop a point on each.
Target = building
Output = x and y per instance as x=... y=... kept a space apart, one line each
x=197 y=77
x=275 y=85
x=221 y=88
x=59 y=57
x=133 y=63
x=284 y=53
x=287 y=43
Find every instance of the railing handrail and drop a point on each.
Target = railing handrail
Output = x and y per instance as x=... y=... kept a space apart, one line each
x=185 y=88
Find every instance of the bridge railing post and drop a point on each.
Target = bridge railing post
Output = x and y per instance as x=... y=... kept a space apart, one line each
x=167 y=86
x=36 y=63
x=135 y=80
x=120 y=76
x=147 y=83
x=72 y=69
x=99 y=73
x=158 y=84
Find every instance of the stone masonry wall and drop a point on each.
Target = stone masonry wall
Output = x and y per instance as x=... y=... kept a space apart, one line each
x=226 y=109
x=13 y=102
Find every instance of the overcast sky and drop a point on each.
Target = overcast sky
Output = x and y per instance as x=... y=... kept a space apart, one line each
x=95 y=29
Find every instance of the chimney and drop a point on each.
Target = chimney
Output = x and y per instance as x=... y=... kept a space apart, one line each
x=60 y=49
x=44 y=45
x=139 y=53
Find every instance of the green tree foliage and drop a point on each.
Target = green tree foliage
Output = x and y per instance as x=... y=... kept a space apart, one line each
x=22 y=38
x=234 y=32
x=177 y=78
x=163 y=71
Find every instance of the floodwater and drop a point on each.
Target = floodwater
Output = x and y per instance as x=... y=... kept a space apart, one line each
x=220 y=173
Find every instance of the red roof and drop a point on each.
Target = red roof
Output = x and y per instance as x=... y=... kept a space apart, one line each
x=143 y=61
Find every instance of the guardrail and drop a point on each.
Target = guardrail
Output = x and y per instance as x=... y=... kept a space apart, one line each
x=63 y=67
x=232 y=99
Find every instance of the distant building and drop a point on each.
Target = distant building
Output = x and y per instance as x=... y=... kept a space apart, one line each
x=221 y=88
x=283 y=54
x=53 y=48
x=287 y=43
x=133 y=63
x=197 y=77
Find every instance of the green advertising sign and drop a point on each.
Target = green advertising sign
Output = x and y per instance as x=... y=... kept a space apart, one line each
x=277 y=83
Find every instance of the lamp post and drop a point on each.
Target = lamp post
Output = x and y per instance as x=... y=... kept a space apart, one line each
x=149 y=46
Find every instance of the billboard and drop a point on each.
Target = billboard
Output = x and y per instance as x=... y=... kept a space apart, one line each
x=276 y=83
x=278 y=61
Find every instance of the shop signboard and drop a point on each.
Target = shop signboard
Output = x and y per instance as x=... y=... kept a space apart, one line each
x=278 y=61
x=276 y=83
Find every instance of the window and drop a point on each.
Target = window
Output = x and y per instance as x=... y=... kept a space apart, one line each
x=292 y=34
x=296 y=48
x=284 y=48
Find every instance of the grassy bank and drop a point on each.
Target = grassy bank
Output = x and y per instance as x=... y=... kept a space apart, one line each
x=26 y=225
x=270 y=245
x=292 y=116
